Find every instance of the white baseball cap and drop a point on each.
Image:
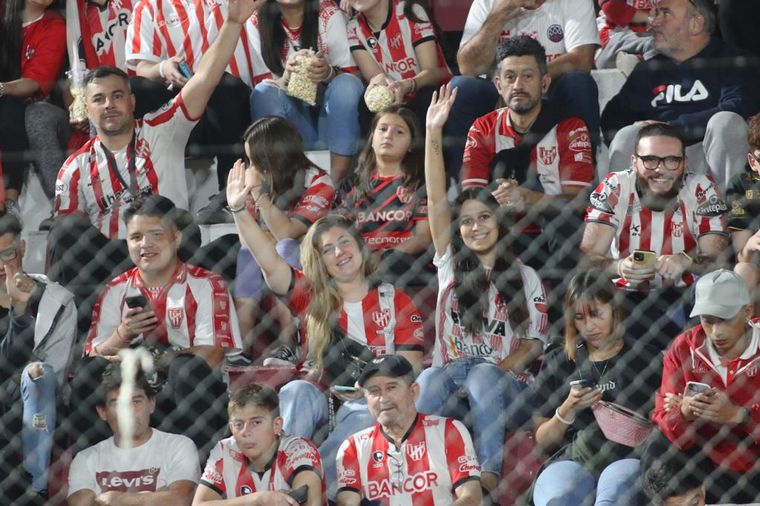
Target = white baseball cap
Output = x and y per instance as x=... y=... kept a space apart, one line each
x=720 y=293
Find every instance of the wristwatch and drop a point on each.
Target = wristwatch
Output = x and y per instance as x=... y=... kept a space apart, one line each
x=745 y=416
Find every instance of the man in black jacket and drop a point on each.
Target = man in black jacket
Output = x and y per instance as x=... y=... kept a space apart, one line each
x=696 y=83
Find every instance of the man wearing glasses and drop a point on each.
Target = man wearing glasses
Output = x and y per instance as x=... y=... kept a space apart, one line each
x=654 y=226
x=406 y=457
x=696 y=83
x=38 y=324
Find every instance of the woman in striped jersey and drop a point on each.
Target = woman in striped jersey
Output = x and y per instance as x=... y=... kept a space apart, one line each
x=348 y=319
x=491 y=315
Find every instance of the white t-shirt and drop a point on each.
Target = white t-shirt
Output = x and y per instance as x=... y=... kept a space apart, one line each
x=151 y=467
x=559 y=25
x=453 y=342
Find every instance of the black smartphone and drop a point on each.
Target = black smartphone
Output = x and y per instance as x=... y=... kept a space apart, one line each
x=583 y=383
x=138 y=301
x=301 y=494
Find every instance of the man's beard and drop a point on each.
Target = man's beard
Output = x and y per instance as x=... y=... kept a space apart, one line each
x=654 y=201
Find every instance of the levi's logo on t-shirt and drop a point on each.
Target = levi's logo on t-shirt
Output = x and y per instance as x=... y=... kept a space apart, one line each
x=144 y=480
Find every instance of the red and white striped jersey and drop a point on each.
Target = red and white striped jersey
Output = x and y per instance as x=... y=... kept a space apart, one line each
x=97 y=35
x=559 y=25
x=331 y=40
x=227 y=470
x=562 y=158
x=698 y=210
x=387 y=215
x=386 y=320
x=194 y=309
x=160 y=29
x=435 y=458
x=622 y=9
x=453 y=342
x=315 y=202
x=86 y=182
x=393 y=47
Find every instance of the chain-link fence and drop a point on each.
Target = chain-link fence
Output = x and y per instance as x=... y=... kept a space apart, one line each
x=192 y=399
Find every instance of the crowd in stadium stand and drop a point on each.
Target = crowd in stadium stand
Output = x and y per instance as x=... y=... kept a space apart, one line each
x=493 y=292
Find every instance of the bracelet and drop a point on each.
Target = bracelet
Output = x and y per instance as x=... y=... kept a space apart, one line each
x=161 y=69
x=331 y=75
x=562 y=420
x=414 y=86
x=2 y=89
x=236 y=209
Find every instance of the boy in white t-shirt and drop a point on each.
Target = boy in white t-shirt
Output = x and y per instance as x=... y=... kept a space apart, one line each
x=159 y=468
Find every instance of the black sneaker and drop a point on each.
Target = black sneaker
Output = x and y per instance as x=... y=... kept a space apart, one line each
x=282 y=355
x=215 y=212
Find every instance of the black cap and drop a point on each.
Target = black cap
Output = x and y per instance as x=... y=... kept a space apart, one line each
x=392 y=366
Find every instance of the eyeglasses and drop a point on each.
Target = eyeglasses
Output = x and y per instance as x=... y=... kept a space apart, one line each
x=652 y=162
x=9 y=254
x=396 y=458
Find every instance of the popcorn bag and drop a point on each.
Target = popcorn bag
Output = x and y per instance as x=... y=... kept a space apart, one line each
x=378 y=98
x=299 y=85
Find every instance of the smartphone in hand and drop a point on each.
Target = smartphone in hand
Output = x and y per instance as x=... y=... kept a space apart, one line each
x=583 y=383
x=644 y=258
x=695 y=388
x=301 y=494
x=138 y=301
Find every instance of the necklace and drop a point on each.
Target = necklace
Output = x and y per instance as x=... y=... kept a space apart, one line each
x=604 y=370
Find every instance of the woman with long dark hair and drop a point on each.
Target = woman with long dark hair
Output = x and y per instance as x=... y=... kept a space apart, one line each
x=288 y=31
x=32 y=50
x=395 y=44
x=491 y=319
x=290 y=194
x=388 y=202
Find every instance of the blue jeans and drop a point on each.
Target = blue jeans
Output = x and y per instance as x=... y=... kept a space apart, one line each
x=38 y=426
x=350 y=418
x=303 y=408
x=568 y=483
x=332 y=124
x=476 y=97
x=249 y=280
x=489 y=391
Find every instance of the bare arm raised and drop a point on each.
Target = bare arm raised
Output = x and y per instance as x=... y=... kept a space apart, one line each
x=439 y=212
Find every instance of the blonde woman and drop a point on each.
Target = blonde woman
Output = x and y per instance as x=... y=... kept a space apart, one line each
x=346 y=318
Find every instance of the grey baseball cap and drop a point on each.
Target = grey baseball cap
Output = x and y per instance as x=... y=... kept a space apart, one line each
x=720 y=293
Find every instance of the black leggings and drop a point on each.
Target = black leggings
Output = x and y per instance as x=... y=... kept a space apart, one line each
x=13 y=141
